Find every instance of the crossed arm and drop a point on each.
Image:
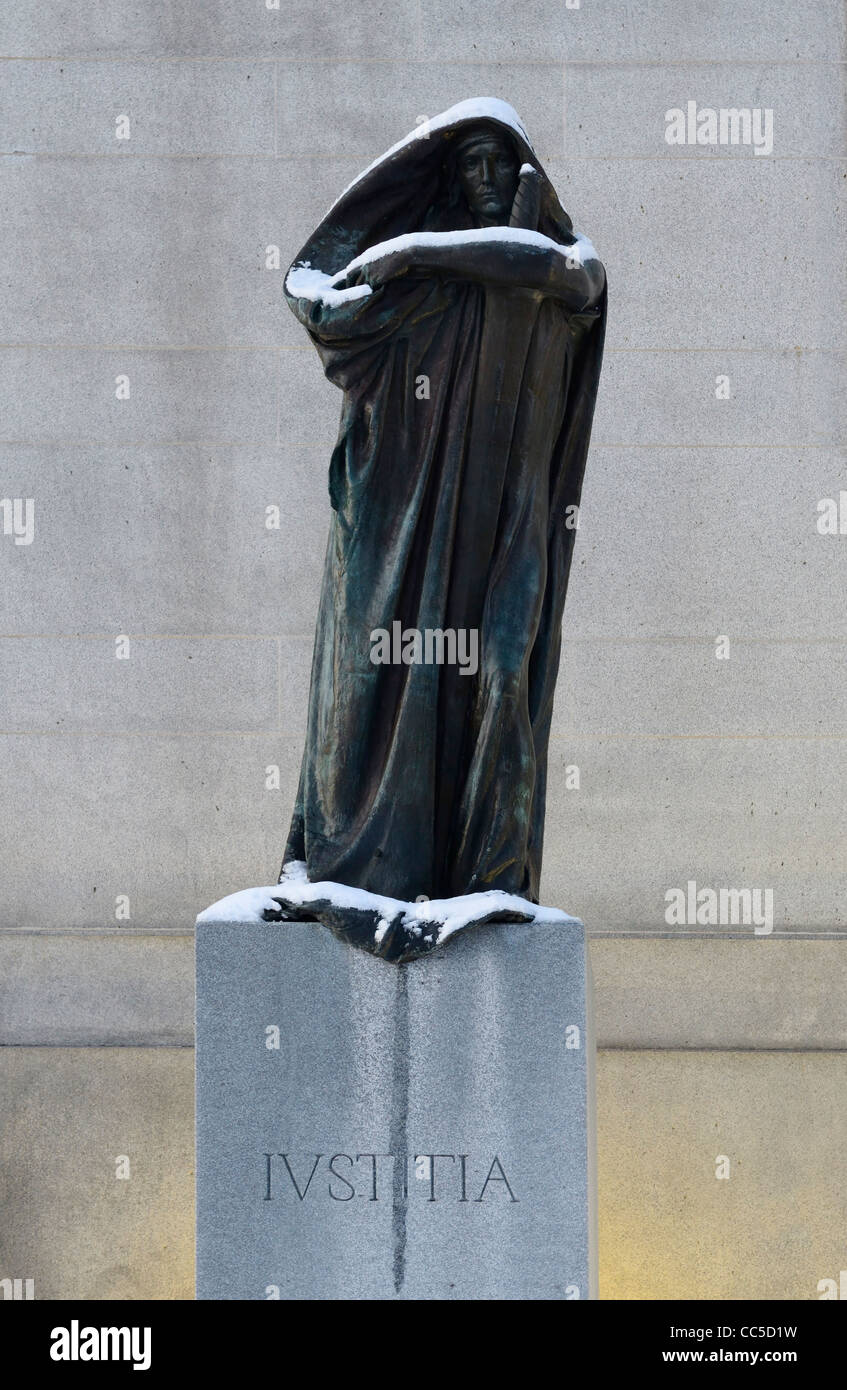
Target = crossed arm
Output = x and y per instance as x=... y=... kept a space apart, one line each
x=538 y=266
x=542 y=269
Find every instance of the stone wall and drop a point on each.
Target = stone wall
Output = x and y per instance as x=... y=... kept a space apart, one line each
x=155 y=640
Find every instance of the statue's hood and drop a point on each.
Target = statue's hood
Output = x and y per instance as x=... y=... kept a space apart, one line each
x=393 y=194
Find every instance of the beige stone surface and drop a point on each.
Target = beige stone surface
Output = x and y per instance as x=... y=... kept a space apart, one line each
x=150 y=519
x=69 y=1223
x=161 y=259
x=96 y=989
x=669 y=1228
x=119 y=987
x=767 y=993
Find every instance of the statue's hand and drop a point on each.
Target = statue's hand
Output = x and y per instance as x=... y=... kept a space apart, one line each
x=384 y=268
x=527 y=203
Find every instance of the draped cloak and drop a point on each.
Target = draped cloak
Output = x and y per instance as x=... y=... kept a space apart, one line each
x=449 y=511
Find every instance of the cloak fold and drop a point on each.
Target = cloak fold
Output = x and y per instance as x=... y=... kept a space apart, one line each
x=464 y=429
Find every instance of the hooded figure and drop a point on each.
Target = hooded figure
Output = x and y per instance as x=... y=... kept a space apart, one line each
x=450 y=300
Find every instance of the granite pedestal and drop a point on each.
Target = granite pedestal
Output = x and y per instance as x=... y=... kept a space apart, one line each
x=373 y=1131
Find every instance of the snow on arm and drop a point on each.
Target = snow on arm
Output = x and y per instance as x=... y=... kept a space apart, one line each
x=306 y=282
x=581 y=251
x=303 y=282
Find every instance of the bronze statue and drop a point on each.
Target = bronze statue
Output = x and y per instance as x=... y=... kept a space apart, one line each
x=450 y=300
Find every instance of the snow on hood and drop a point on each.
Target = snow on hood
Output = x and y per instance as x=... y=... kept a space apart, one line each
x=474 y=109
x=307 y=280
x=394 y=194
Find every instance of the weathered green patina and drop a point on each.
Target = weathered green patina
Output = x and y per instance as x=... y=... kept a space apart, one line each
x=469 y=354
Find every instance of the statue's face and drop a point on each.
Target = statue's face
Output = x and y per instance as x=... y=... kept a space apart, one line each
x=488 y=172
